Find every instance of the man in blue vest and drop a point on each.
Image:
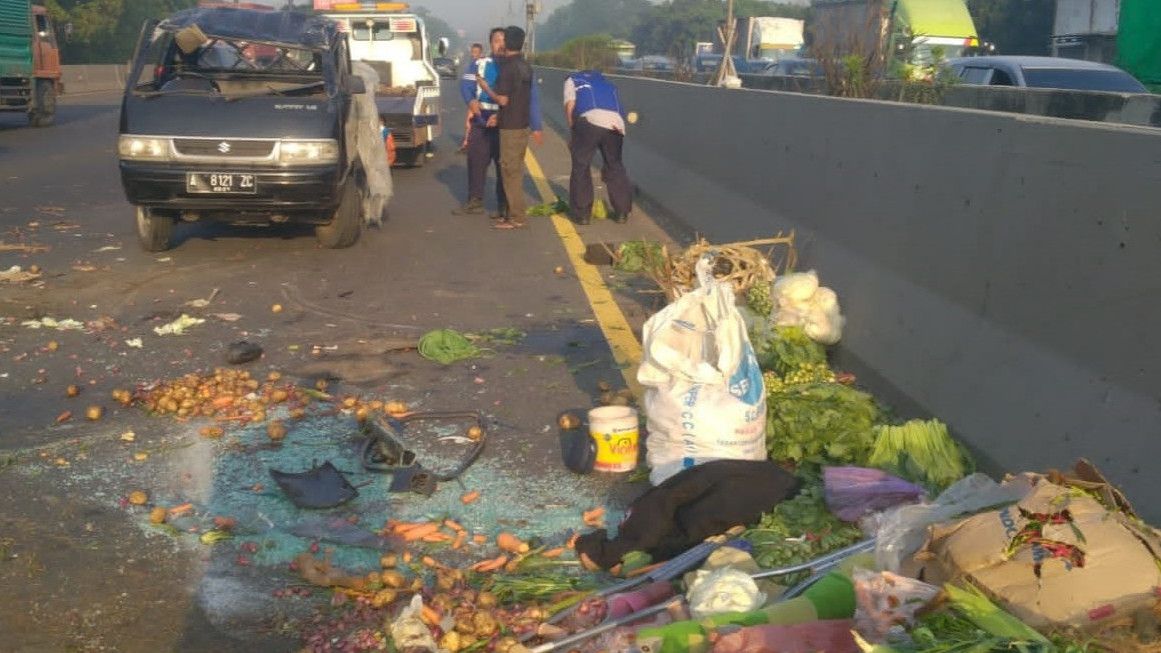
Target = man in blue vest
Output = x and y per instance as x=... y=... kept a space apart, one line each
x=483 y=139
x=596 y=120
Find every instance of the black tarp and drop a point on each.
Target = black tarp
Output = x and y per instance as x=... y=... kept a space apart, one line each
x=289 y=28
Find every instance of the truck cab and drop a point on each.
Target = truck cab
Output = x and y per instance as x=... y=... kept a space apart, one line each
x=395 y=44
x=29 y=62
x=246 y=117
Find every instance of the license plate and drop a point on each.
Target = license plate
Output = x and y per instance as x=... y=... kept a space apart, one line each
x=221 y=182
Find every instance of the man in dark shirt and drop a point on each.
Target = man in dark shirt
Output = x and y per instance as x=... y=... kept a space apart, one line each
x=513 y=92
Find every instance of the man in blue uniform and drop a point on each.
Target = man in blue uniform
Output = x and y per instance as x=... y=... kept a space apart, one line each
x=596 y=121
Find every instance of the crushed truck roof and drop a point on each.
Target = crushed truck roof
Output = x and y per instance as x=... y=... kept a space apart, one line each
x=280 y=27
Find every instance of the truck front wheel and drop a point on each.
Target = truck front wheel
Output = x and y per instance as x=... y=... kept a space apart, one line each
x=44 y=111
x=155 y=232
x=343 y=229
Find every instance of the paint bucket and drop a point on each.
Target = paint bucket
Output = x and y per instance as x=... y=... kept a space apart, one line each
x=614 y=429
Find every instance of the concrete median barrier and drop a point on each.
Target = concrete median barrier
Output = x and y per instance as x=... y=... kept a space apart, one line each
x=90 y=78
x=998 y=270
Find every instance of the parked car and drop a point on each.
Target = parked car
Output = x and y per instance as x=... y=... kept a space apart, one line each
x=445 y=66
x=242 y=116
x=1044 y=72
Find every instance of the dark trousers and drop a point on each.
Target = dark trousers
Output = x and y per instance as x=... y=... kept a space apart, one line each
x=586 y=140
x=484 y=150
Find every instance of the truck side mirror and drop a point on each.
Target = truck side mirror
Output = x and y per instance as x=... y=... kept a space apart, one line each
x=357 y=86
x=442 y=45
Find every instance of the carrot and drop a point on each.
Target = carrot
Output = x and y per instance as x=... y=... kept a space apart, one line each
x=407 y=556
x=431 y=562
x=178 y=511
x=470 y=497
x=453 y=525
x=510 y=543
x=223 y=401
x=490 y=565
x=592 y=517
x=461 y=539
x=430 y=616
x=406 y=527
x=480 y=539
x=436 y=537
x=420 y=532
x=553 y=553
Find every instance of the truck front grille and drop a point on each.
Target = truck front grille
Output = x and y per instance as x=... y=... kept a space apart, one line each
x=225 y=147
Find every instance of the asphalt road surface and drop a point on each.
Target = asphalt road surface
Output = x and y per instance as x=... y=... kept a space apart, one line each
x=80 y=568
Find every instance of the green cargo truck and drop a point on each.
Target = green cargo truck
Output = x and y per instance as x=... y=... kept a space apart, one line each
x=29 y=62
x=909 y=31
x=1139 y=41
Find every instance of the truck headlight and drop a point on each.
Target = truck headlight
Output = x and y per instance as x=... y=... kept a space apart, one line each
x=301 y=152
x=137 y=148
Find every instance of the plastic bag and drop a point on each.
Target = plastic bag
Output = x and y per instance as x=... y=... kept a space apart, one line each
x=903 y=530
x=888 y=601
x=796 y=287
x=723 y=590
x=408 y=631
x=852 y=492
x=369 y=142
x=800 y=301
x=704 y=399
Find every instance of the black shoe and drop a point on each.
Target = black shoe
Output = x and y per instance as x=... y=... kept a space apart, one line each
x=473 y=207
x=582 y=218
x=619 y=218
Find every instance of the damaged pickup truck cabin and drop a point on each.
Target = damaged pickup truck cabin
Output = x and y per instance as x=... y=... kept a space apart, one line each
x=245 y=117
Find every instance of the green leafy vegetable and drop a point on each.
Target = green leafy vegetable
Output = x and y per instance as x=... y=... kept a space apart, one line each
x=920 y=451
x=799 y=529
x=759 y=298
x=820 y=423
x=783 y=349
x=638 y=255
x=549 y=208
x=447 y=346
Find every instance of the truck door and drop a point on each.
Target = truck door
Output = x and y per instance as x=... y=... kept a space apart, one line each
x=45 y=55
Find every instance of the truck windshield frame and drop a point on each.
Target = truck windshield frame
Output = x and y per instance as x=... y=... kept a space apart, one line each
x=282 y=68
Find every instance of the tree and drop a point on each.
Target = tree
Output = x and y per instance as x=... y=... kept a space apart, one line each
x=1015 y=26
x=437 y=27
x=105 y=31
x=582 y=53
x=674 y=27
x=587 y=17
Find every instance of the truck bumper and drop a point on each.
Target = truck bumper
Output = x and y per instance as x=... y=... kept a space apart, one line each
x=307 y=194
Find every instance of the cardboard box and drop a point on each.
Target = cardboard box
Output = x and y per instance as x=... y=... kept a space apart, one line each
x=1056 y=558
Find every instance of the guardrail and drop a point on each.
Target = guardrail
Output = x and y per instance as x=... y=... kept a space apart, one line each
x=88 y=78
x=1125 y=108
x=998 y=270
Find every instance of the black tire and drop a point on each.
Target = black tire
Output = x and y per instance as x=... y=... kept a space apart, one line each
x=44 y=113
x=344 y=228
x=154 y=232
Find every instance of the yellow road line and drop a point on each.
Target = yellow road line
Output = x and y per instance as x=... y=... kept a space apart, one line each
x=618 y=333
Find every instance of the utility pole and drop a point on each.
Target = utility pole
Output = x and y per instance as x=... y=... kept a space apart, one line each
x=531 y=8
